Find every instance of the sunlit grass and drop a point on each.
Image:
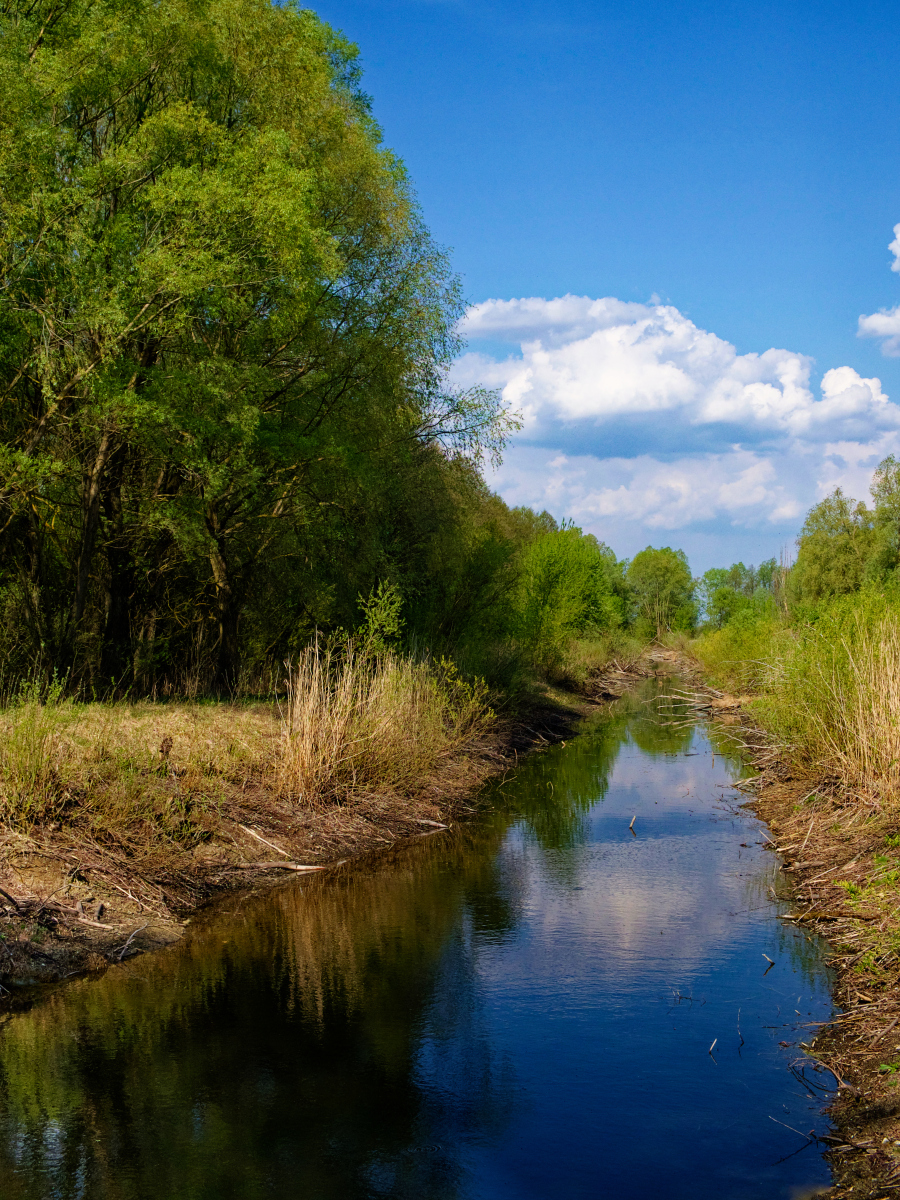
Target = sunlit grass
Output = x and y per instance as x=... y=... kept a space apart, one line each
x=356 y=722
x=347 y=723
x=828 y=690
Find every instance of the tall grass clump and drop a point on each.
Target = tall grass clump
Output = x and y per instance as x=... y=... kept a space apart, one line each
x=358 y=722
x=30 y=759
x=835 y=699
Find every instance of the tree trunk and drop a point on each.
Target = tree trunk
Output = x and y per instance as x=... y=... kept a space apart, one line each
x=90 y=520
x=228 y=659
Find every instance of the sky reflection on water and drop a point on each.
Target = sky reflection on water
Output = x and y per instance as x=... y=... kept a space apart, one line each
x=522 y=1008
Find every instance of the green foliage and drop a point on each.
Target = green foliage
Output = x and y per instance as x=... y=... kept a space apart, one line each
x=226 y=421
x=836 y=545
x=742 y=653
x=568 y=584
x=828 y=685
x=224 y=343
x=723 y=593
x=663 y=590
x=382 y=624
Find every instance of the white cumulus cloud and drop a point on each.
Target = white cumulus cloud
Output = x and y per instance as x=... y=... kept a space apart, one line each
x=604 y=363
x=886 y=325
x=637 y=421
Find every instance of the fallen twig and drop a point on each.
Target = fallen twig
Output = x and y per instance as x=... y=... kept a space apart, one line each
x=260 y=838
x=290 y=866
x=130 y=940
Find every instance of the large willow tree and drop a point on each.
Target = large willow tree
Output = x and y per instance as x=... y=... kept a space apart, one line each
x=224 y=334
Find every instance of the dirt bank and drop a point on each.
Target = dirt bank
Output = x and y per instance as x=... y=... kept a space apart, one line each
x=71 y=905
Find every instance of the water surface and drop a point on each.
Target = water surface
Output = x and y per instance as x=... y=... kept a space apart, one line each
x=521 y=1008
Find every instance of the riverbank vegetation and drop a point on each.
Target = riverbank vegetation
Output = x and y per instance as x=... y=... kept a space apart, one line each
x=818 y=643
x=813 y=649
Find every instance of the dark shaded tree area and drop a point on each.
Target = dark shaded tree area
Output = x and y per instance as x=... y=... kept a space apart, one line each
x=224 y=342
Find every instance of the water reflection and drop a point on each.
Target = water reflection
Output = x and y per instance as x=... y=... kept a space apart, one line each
x=520 y=1009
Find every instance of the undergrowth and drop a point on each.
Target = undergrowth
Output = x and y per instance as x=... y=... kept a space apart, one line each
x=827 y=688
x=348 y=722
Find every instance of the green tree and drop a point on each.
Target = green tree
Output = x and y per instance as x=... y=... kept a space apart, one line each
x=835 y=548
x=885 y=491
x=724 y=592
x=663 y=590
x=224 y=333
x=565 y=587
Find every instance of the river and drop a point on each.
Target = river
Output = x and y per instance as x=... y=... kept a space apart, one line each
x=540 y=1003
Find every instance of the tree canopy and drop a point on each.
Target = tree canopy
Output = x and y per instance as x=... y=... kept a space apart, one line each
x=663 y=589
x=224 y=340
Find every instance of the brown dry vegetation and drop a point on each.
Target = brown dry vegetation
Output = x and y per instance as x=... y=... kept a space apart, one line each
x=123 y=815
x=119 y=820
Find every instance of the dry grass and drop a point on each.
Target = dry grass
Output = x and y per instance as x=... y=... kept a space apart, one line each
x=851 y=705
x=357 y=723
x=352 y=724
x=121 y=760
x=152 y=792
x=116 y=815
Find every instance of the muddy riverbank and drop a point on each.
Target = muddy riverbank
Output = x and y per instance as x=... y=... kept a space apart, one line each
x=68 y=907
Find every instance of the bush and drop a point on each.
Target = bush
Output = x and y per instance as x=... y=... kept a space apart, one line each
x=564 y=590
x=743 y=655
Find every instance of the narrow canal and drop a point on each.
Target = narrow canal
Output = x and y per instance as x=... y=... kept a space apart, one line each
x=522 y=1008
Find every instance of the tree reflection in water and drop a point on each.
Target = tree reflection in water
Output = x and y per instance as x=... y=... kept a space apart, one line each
x=331 y=1039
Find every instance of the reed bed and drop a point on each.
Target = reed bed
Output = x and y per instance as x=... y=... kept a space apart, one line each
x=837 y=701
x=828 y=691
x=357 y=722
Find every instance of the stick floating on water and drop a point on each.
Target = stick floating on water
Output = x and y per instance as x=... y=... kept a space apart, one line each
x=633 y=819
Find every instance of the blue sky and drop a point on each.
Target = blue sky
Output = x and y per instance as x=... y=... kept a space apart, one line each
x=730 y=174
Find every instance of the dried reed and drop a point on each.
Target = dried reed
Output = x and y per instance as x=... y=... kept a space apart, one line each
x=855 y=710
x=357 y=722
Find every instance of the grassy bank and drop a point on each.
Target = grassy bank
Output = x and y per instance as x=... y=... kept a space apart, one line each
x=117 y=813
x=122 y=815
x=820 y=717
x=827 y=690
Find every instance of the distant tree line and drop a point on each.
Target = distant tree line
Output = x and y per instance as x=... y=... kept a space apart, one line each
x=845 y=547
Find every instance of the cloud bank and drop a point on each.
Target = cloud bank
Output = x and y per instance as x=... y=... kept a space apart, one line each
x=636 y=421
